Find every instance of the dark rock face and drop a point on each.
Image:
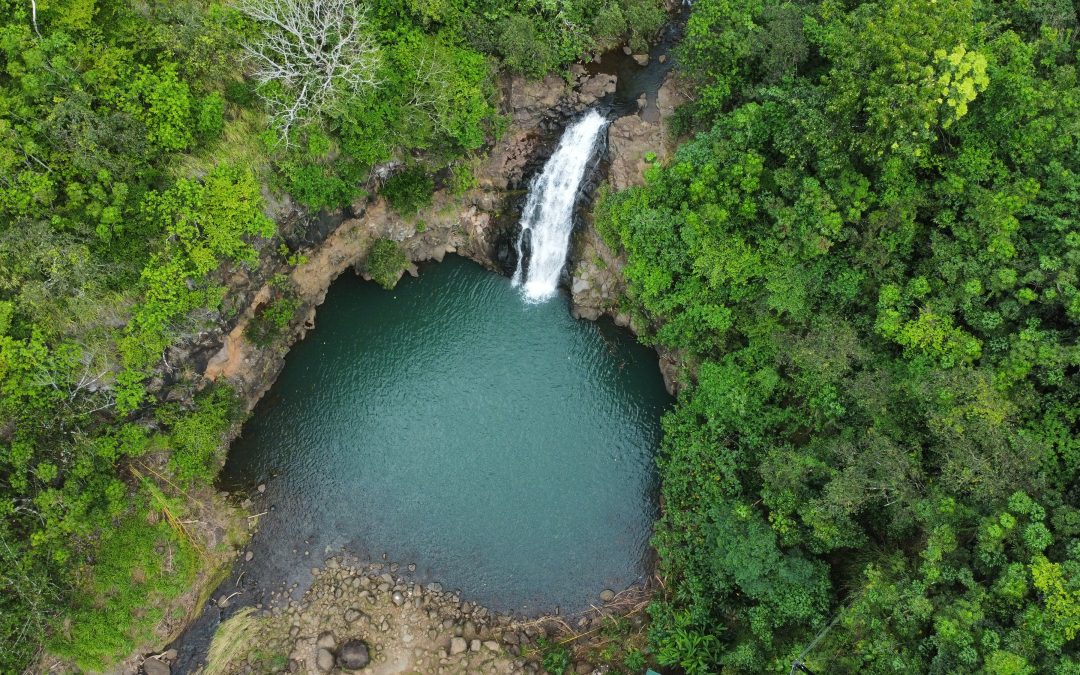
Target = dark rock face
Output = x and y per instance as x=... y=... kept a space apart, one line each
x=353 y=655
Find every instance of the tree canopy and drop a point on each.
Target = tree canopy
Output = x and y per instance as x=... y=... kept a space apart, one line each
x=867 y=253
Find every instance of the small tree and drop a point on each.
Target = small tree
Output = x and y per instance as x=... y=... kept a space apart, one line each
x=311 y=55
x=385 y=263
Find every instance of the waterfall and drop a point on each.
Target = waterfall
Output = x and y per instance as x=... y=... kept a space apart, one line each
x=548 y=216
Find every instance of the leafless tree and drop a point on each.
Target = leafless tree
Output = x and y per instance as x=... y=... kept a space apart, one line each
x=318 y=51
x=429 y=93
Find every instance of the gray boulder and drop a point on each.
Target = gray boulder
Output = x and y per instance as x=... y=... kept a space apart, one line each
x=353 y=655
x=155 y=667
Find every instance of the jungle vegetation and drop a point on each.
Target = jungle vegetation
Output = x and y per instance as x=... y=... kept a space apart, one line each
x=137 y=142
x=867 y=253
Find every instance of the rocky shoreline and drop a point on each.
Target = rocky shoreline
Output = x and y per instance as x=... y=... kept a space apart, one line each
x=373 y=617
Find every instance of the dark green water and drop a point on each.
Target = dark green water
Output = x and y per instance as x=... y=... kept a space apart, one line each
x=504 y=448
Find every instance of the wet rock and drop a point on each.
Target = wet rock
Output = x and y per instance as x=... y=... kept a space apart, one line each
x=607 y=595
x=398 y=598
x=354 y=655
x=324 y=660
x=262 y=487
x=155 y=667
x=596 y=87
x=641 y=59
x=457 y=646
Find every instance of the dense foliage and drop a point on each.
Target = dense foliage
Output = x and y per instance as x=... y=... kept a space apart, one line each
x=868 y=258
x=136 y=143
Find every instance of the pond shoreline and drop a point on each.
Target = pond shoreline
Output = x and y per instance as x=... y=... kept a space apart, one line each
x=470 y=225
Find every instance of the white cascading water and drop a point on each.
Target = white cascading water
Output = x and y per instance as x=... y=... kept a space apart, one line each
x=549 y=211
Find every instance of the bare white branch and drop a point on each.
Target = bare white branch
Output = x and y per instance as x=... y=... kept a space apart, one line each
x=319 y=52
x=33 y=17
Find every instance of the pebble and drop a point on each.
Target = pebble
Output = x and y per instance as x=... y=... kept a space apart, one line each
x=607 y=595
x=262 y=487
x=248 y=556
x=398 y=598
x=457 y=646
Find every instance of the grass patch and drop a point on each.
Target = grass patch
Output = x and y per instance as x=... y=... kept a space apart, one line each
x=140 y=567
x=232 y=641
x=239 y=144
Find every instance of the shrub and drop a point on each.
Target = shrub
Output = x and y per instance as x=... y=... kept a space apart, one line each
x=271 y=320
x=556 y=659
x=198 y=437
x=409 y=191
x=385 y=263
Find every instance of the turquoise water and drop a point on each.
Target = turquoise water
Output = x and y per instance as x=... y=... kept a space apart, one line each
x=504 y=448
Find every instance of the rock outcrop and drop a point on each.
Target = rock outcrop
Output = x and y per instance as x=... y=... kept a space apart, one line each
x=635 y=141
x=596 y=282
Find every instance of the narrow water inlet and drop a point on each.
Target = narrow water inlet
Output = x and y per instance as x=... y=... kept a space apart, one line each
x=547 y=220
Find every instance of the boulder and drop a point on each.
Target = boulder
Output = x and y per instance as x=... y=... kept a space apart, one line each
x=596 y=87
x=458 y=646
x=352 y=614
x=326 y=640
x=155 y=667
x=353 y=655
x=324 y=660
